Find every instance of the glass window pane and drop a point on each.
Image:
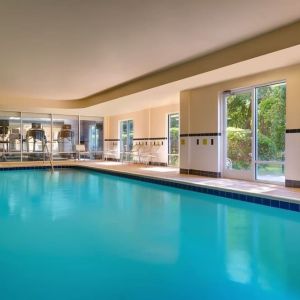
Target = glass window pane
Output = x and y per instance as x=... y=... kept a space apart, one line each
x=271 y=122
x=65 y=136
x=124 y=136
x=270 y=172
x=239 y=131
x=10 y=136
x=173 y=137
x=91 y=135
x=126 y=139
x=130 y=133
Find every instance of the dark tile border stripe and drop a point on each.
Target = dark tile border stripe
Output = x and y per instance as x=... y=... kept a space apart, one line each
x=111 y=140
x=155 y=163
x=150 y=139
x=201 y=134
x=34 y=168
x=292 y=130
x=277 y=203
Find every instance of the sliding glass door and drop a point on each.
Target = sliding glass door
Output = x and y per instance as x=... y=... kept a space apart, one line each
x=239 y=135
x=254 y=141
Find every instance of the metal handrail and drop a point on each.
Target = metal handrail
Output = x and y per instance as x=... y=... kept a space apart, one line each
x=50 y=157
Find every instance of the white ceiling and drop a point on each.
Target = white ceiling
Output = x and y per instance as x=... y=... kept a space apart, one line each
x=66 y=49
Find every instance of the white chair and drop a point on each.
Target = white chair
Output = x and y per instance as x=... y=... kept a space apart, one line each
x=111 y=154
x=147 y=154
x=111 y=151
x=81 y=151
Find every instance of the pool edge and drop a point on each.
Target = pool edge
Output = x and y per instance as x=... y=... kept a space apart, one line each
x=250 y=197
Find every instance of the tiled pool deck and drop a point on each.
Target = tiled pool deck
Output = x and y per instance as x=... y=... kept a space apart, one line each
x=261 y=193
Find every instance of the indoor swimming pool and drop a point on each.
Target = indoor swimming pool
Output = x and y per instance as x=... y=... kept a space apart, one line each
x=81 y=234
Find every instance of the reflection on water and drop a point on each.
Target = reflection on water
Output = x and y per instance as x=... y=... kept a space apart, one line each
x=258 y=250
x=109 y=203
x=238 y=242
x=106 y=237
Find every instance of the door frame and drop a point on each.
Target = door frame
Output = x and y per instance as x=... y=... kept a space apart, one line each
x=238 y=174
x=235 y=174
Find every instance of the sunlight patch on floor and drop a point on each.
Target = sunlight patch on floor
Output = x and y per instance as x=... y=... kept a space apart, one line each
x=160 y=169
x=242 y=186
x=109 y=163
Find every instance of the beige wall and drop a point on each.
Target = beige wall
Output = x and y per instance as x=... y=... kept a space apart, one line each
x=200 y=113
x=140 y=123
x=147 y=123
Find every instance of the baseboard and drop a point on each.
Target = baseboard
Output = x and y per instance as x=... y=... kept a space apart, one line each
x=113 y=159
x=156 y=163
x=183 y=171
x=292 y=183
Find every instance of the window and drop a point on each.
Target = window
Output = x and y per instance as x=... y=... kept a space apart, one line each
x=64 y=136
x=173 y=139
x=91 y=135
x=126 y=137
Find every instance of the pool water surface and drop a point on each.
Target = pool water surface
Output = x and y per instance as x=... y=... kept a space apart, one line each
x=79 y=234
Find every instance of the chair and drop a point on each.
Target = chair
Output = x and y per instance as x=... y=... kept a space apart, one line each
x=147 y=154
x=80 y=150
x=111 y=152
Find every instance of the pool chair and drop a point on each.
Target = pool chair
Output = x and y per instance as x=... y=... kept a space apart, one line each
x=147 y=154
x=81 y=152
x=135 y=153
x=110 y=154
x=125 y=155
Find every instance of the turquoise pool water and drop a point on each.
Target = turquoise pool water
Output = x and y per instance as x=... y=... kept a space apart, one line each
x=84 y=235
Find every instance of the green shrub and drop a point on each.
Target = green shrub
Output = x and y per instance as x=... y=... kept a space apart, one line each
x=239 y=147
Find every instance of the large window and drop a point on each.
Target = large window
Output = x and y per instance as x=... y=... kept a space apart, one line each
x=255 y=133
x=173 y=138
x=39 y=137
x=126 y=137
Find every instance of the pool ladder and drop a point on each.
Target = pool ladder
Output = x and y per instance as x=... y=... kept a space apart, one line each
x=50 y=157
